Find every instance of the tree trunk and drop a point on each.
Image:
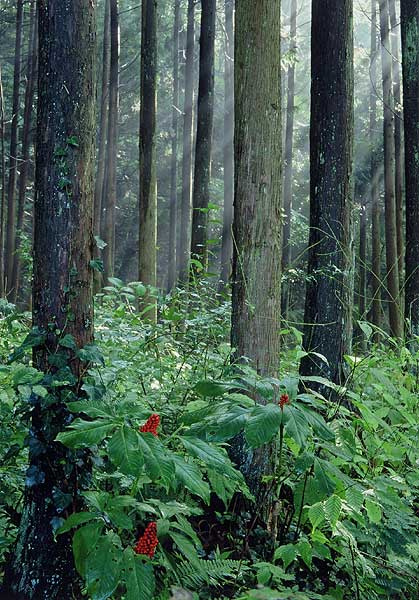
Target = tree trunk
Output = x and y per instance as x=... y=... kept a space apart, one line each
x=3 y=186
x=11 y=189
x=148 y=184
x=42 y=568
x=393 y=284
x=410 y=45
x=26 y=140
x=374 y=170
x=173 y=167
x=257 y=225
x=205 y=116
x=328 y=295
x=188 y=110
x=109 y=191
x=288 y=170
x=363 y=248
x=228 y=151
x=398 y=145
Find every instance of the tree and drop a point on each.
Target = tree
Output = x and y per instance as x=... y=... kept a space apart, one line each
x=186 y=208
x=331 y=148
x=228 y=150
x=148 y=184
x=109 y=201
x=288 y=157
x=3 y=186
x=11 y=189
x=257 y=225
x=42 y=567
x=205 y=116
x=31 y=65
x=173 y=167
x=410 y=52
x=393 y=281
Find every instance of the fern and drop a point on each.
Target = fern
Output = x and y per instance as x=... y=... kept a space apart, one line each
x=207 y=572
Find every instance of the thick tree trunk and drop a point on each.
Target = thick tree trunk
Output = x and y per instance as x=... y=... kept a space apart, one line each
x=374 y=176
x=3 y=186
x=328 y=294
x=188 y=110
x=410 y=46
x=257 y=225
x=148 y=184
x=109 y=190
x=393 y=282
x=205 y=116
x=173 y=167
x=288 y=168
x=228 y=150
x=42 y=568
x=26 y=141
x=398 y=141
x=11 y=189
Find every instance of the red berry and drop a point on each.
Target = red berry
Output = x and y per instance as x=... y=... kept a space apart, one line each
x=284 y=399
x=148 y=542
x=150 y=426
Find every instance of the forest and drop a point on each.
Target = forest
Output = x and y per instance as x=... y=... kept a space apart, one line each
x=209 y=299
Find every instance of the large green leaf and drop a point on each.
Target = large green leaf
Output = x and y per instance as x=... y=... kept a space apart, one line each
x=85 y=433
x=124 y=451
x=84 y=541
x=76 y=519
x=189 y=474
x=317 y=423
x=103 y=567
x=139 y=577
x=158 y=464
x=210 y=455
x=296 y=425
x=229 y=424
x=263 y=424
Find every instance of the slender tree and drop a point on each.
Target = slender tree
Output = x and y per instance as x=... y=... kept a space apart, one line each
x=393 y=282
x=11 y=188
x=331 y=147
x=187 y=163
x=374 y=177
x=26 y=143
x=42 y=567
x=205 y=116
x=109 y=190
x=288 y=157
x=148 y=184
x=257 y=225
x=3 y=185
x=228 y=149
x=410 y=47
x=174 y=159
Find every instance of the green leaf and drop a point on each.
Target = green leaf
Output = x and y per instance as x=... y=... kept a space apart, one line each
x=97 y=265
x=139 y=577
x=263 y=424
x=124 y=451
x=91 y=353
x=100 y=243
x=229 y=424
x=85 y=433
x=316 y=515
x=287 y=554
x=318 y=424
x=92 y=409
x=210 y=455
x=373 y=511
x=211 y=389
x=84 y=540
x=355 y=498
x=103 y=567
x=332 y=509
x=296 y=425
x=158 y=465
x=68 y=341
x=189 y=474
x=325 y=484
x=76 y=519
x=306 y=552
x=186 y=547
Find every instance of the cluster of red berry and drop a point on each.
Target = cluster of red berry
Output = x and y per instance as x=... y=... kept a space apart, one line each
x=147 y=543
x=284 y=399
x=150 y=426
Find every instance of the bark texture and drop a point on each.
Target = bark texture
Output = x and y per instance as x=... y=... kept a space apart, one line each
x=205 y=117
x=328 y=294
x=3 y=185
x=42 y=568
x=410 y=46
x=148 y=184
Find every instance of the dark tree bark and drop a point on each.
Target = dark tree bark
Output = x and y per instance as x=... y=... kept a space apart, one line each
x=148 y=184
x=205 y=117
x=173 y=167
x=363 y=250
x=393 y=281
x=188 y=110
x=328 y=294
x=11 y=188
x=42 y=568
x=228 y=150
x=288 y=169
x=3 y=186
x=26 y=142
x=257 y=226
x=410 y=46
x=109 y=191
x=374 y=176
